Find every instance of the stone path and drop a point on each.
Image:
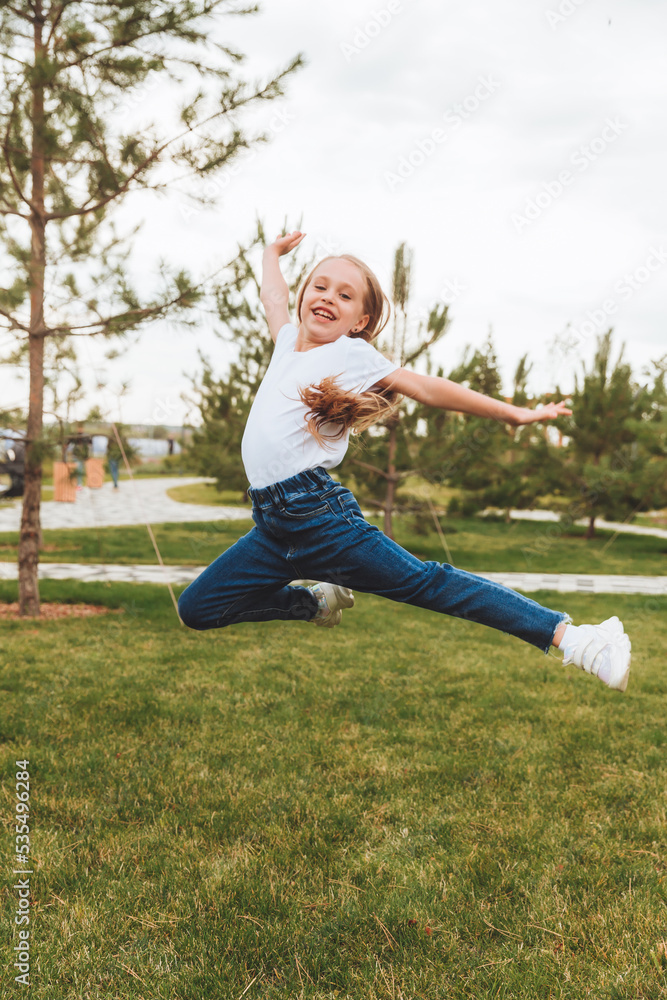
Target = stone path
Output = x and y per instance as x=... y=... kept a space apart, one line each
x=134 y=502
x=550 y=515
x=568 y=583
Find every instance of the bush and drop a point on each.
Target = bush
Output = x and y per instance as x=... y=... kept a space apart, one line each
x=464 y=506
x=421 y=522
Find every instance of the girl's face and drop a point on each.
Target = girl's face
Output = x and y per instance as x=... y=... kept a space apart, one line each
x=333 y=302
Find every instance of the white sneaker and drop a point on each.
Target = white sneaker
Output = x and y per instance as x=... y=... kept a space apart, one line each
x=331 y=598
x=604 y=651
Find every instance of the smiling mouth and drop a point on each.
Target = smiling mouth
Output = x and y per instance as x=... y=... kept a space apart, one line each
x=323 y=314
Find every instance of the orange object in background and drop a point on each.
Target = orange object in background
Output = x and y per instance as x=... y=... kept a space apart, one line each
x=64 y=486
x=94 y=473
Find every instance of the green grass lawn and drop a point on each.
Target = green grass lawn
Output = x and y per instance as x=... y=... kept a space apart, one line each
x=207 y=494
x=655 y=520
x=475 y=545
x=410 y=806
x=46 y=494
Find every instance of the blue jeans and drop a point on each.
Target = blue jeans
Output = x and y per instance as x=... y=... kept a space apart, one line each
x=311 y=527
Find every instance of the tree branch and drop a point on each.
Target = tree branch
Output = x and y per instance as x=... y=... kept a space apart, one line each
x=14 y=211
x=371 y=468
x=14 y=322
x=15 y=183
x=56 y=21
x=146 y=163
x=19 y=13
x=131 y=41
x=130 y=314
x=392 y=477
x=7 y=55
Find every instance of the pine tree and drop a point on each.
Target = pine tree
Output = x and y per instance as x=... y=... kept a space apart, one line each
x=392 y=449
x=67 y=161
x=491 y=462
x=472 y=449
x=522 y=463
x=614 y=463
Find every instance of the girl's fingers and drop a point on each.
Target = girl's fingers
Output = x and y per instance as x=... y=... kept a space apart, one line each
x=288 y=241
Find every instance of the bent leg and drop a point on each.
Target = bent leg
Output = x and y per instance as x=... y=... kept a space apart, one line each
x=247 y=583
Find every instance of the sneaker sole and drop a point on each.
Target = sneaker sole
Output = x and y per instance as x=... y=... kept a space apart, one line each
x=621 y=683
x=330 y=621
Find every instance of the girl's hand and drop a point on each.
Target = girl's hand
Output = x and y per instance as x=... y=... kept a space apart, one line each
x=550 y=411
x=284 y=244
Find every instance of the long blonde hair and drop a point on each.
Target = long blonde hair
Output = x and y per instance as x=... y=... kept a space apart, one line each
x=326 y=401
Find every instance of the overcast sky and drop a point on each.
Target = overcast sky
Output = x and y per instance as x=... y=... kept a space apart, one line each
x=518 y=148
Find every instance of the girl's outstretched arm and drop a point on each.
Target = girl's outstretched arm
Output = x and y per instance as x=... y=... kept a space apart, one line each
x=447 y=395
x=274 y=293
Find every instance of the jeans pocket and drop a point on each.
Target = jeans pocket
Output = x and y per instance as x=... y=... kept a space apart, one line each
x=350 y=508
x=331 y=492
x=303 y=507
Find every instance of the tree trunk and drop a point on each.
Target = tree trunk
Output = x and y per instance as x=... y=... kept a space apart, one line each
x=28 y=557
x=590 y=531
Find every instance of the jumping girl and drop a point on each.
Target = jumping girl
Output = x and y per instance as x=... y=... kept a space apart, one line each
x=325 y=377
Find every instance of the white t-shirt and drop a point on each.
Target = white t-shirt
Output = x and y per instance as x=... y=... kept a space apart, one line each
x=276 y=443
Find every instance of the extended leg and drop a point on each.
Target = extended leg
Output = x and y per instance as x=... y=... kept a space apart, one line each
x=365 y=559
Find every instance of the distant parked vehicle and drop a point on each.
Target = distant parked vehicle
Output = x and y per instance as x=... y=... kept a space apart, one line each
x=12 y=464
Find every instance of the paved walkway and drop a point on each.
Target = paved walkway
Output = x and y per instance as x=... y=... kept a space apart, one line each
x=134 y=502
x=550 y=515
x=568 y=583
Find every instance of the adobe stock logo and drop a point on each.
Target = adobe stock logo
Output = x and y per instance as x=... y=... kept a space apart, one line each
x=565 y=9
x=624 y=288
x=364 y=35
x=453 y=117
x=581 y=158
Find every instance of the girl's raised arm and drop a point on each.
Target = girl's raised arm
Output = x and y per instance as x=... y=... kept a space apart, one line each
x=432 y=390
x=274 y=293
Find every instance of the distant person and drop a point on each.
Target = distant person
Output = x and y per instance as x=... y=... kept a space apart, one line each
x=307 y=525
x=78 y=450
x=170 y=441
x=113 y=459
x=115 y=455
